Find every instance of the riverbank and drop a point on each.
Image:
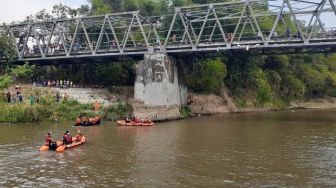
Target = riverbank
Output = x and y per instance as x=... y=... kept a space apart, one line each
x=118 y=102
x=45 y=107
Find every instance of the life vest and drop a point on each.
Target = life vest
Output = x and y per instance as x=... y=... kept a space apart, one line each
x=48 y=140
x=90 y=120
x=78 y=137
x=68 y=139
x=96 y=118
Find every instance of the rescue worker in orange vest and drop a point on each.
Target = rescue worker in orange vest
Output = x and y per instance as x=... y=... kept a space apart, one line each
x=78 y=135
x=67 y=138
x=78 y=121
x=85 y=121
x=90 y=121
x=97 y=119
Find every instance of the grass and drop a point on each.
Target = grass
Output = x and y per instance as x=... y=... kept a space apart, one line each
x=49 y=110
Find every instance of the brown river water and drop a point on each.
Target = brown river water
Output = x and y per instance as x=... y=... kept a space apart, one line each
x=269 y=149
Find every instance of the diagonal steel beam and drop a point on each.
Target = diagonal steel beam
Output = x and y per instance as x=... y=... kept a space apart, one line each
x=279 y=16
x=318 y=14
x=256 y=22
x=238 y=24
x=127 y=35
x=49 y=39
x=114 y=33
x=26 y=41
x=186 y=29
x=87 y=37
x=332 y=4
x=242 y=31
x=38 y=41
x=220 y=26
x=100 y=36
x=141 y=28
x=61 y=37
x=292 y=13
x=213 y=31
x=171 y=26
x=73 y=38
x=202 y=28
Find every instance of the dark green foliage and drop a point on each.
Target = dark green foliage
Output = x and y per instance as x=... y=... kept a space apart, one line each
x=185 y=111
x=117 y=111
x=207 y=75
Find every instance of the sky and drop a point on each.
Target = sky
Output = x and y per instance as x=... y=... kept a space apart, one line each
x=15 y=10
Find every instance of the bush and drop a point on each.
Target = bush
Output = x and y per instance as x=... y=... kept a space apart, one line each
x=118 y=110
x=207 y=76
x=185 y=111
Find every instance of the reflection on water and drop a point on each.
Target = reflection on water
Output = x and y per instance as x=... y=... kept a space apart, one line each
x=273 y=149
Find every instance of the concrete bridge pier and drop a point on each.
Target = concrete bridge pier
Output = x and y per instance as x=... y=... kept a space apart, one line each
x=159 y=90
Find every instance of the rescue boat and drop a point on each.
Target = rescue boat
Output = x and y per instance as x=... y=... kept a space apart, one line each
x=61 y=148
x=87 y=124
x=132 y=123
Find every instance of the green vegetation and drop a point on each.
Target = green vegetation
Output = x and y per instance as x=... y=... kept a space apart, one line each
x=185 y=111
x=206 y=75
x=117 y=111
x=49 y=109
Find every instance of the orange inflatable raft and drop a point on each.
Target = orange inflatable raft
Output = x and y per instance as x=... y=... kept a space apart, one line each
x=61 y=148
x=132 y=123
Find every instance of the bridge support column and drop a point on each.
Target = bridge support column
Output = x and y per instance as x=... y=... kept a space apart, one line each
x=158 y=88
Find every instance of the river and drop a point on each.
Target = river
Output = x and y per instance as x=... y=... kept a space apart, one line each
x=269 y=149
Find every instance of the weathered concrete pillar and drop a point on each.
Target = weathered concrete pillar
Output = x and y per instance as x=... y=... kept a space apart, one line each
x=157 y=82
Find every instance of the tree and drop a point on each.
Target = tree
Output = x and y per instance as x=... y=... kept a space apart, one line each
x=7 y=50
x=23 y=72
x=207 y=75
x=99 y=7
x=5 y=82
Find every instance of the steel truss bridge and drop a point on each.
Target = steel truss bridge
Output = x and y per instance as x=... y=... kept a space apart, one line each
x=255 y=25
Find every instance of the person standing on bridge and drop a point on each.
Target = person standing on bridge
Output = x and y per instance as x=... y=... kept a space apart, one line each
x=288 y=33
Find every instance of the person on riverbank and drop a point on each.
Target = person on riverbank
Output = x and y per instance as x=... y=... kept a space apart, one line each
x=58 y=97
x=18 y=90
x=96 y=106
x=9 y=97
x=65 y=97
x=20 y=97
x=31 y=99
